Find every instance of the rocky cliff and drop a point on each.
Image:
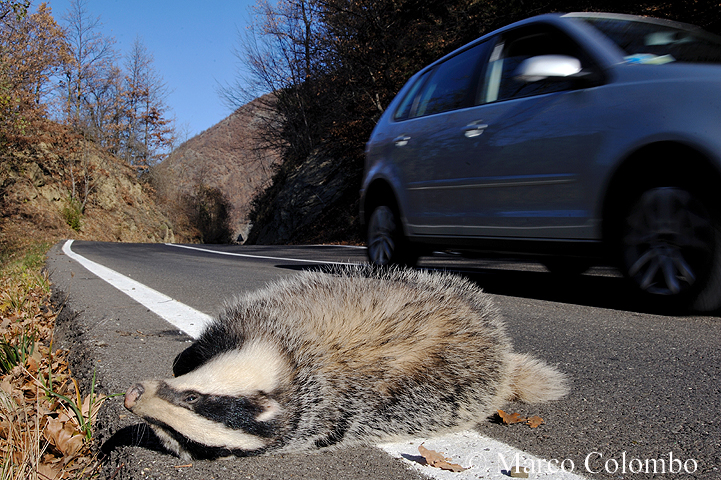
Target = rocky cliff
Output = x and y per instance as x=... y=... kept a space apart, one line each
x=313 y=202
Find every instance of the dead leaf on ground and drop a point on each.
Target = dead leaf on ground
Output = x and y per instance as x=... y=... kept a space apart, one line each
x=534 y=421
x=64 y=436
x=510 y=418
x=50 y=470
x=435 y=459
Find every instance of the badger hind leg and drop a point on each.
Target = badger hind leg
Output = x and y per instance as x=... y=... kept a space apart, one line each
x=533 y=381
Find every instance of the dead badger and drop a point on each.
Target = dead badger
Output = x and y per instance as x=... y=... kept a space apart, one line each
x=322 y=360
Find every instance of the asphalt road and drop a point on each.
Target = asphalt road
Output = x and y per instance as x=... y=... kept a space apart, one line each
x=645 y=386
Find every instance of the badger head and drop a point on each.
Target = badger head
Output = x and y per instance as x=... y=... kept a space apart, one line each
x=229 y=405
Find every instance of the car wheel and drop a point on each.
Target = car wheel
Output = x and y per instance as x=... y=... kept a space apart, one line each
x=386 y=243
x=670 y=248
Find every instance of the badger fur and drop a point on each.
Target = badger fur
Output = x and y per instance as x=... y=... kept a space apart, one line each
x=357 y=355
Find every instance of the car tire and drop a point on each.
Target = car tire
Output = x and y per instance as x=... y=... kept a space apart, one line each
x=670 y=246
x=385 y=240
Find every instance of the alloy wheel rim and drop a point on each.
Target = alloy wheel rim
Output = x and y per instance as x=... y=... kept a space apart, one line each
x=668 y=242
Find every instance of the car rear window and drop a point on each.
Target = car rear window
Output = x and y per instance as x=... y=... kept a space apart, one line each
x=449 y=86
x=658 y=43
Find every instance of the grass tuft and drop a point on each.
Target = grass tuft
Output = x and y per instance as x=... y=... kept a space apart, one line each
x=16 y=351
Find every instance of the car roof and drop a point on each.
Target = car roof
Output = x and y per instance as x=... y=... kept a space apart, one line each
x=602 y=45
x=635 y=18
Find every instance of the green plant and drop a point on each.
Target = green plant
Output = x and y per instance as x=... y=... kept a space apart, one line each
x=72 y=213
x=12 y=355
x=21 y=278
x=14 y=299
x=34 y=257
x=85 y=411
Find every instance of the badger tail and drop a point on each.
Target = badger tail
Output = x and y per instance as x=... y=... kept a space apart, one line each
x=533 y=381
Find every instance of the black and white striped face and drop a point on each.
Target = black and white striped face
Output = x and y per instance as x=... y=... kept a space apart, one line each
x=224 y=407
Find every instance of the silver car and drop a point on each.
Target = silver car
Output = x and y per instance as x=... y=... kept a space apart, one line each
x=578 y=138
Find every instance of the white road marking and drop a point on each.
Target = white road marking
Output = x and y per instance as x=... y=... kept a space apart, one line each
x=483 y=457
x=264 y=257
x=187 y=319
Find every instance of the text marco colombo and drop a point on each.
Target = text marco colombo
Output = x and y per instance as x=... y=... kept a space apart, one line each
x=596 y=462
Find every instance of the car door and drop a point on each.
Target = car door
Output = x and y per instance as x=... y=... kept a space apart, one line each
x=424 y=135
x=516 y=163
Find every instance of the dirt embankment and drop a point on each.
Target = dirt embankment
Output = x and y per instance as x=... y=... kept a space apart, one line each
x=79 y=191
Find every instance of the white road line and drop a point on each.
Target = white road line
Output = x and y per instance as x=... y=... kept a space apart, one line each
x=187 y=319
x=483 y=457
x=247 y=255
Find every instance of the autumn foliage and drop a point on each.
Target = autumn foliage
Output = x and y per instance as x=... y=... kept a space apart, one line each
x=53 y=163
x=32 y=50
x=69 y=72
x=65 y=94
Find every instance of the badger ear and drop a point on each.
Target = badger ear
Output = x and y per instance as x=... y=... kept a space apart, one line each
x=188 y=360
x=270 y=409
x=216 y=339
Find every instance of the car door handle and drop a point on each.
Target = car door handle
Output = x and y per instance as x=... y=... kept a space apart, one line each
x=401 y=141
x=474 y=129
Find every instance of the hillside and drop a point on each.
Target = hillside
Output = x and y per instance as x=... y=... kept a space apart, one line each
x=36 y=189
x=315 y=201
x=228 y=157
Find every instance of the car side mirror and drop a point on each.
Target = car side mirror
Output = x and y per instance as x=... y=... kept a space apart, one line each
x=544 y=67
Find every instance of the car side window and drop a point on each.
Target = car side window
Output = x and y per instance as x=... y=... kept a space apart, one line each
x=511 y=49
x=408 y=103
x=450 y=86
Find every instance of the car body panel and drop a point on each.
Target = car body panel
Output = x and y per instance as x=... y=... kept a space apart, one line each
x=540 y=166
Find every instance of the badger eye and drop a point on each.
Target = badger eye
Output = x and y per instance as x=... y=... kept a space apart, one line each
x=191 y=397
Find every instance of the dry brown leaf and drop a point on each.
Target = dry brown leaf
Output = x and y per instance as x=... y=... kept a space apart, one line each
x=32 y=364
x=30 y=390
x=66 y=416
x=98 y=400
x=6 y=386
x=50 y=470
x=534 y=421
x=435 y=459
x=510 y=418
x=64 y=436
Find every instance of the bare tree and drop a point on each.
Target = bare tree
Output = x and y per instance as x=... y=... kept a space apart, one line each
x=90 y=71
x=281 y=54
x=124 y=111
x=149 y=133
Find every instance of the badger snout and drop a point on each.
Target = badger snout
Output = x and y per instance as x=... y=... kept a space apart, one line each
x=133 y=395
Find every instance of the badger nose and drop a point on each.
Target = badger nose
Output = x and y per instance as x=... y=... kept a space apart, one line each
x=133 y=394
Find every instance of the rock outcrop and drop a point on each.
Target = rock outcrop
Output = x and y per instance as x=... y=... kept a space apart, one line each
x=39 y=203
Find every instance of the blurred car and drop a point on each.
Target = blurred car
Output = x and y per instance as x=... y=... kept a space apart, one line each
x=578 y=139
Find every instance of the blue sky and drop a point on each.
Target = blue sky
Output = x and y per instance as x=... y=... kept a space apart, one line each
x=192 y=42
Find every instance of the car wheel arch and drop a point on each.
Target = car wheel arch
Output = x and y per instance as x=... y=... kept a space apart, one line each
x=669 y=172
x=379 y=192
x=649 y=165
